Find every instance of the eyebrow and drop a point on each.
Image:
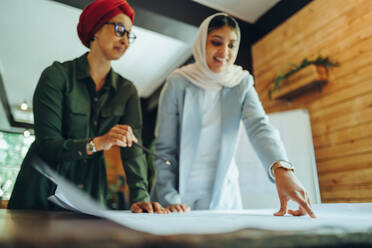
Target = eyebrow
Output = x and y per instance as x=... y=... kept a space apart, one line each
x=120 y=23
x=220 y=37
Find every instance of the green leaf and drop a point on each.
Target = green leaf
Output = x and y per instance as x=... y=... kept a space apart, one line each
x=320 y=61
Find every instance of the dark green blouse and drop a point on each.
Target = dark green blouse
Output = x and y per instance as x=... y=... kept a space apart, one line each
x=67 y=112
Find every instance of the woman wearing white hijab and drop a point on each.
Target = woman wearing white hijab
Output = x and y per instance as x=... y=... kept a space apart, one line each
x=200 y=109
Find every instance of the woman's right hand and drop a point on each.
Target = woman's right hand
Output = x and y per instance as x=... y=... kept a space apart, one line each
x=178 y=208
x=148 y=207
x=119 y=135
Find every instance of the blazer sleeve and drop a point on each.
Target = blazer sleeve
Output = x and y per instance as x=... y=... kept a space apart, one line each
x=167 y=145
x=264 y=138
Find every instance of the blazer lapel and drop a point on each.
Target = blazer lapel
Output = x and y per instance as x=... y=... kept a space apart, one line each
x=190 y=132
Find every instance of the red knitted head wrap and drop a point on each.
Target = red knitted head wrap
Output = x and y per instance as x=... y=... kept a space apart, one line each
x=97 y=13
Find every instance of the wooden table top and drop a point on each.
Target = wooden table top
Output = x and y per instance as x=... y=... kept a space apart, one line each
x=20 y=228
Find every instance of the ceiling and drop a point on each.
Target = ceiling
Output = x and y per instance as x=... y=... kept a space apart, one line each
x=246 y=10
x=165 y=31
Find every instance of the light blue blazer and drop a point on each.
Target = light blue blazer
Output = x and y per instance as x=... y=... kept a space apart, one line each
x=177 y=132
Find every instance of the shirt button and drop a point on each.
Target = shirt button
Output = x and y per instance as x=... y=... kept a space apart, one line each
x=95 y=99
x=80 y=153
x=95 y=123
x=85 y=161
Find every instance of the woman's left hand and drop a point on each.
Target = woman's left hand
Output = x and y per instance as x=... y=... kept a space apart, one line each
x=148 y=207
x=178 y=208
x=290 y=188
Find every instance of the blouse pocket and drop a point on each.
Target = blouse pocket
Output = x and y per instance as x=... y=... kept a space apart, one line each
x=76 y=123
x=110 y=117
x=109 y=112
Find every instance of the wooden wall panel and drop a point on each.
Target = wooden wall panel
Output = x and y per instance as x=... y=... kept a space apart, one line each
x=341 y=114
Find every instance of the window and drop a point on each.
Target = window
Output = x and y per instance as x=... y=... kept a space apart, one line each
x=13 y=148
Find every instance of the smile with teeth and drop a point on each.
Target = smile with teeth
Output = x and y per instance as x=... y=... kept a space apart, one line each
x=220 y=59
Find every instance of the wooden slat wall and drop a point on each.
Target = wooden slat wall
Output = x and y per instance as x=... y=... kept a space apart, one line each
x=341 y=115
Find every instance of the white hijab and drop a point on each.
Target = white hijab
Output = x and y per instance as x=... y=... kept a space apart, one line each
x=200 y=74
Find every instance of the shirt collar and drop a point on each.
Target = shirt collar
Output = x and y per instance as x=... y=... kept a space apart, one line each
x=111 y=79
x=82 y=72
x=82 y=67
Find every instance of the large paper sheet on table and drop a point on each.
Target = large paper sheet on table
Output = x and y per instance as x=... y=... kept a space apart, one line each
x=348 y=217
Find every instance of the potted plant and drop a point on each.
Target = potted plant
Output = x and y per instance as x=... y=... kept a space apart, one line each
x=300 y=78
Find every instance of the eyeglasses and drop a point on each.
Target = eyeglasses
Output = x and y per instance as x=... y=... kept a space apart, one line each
x=120 y=31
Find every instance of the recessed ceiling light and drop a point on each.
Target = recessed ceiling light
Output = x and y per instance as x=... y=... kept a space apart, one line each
x=27 y=133
x=24 y=106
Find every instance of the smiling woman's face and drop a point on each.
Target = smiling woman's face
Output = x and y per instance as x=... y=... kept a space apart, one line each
x=221 y=49
x=108 y=42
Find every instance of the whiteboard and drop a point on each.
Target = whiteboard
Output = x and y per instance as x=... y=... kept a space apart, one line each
x=257 y=190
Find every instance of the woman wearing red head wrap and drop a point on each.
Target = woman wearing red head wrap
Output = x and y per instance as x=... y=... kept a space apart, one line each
x=81 y=108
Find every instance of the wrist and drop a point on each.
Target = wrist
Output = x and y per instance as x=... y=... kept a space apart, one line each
x=98 y=143
x=280 y=171
x=281 y=167
x=90 y=147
